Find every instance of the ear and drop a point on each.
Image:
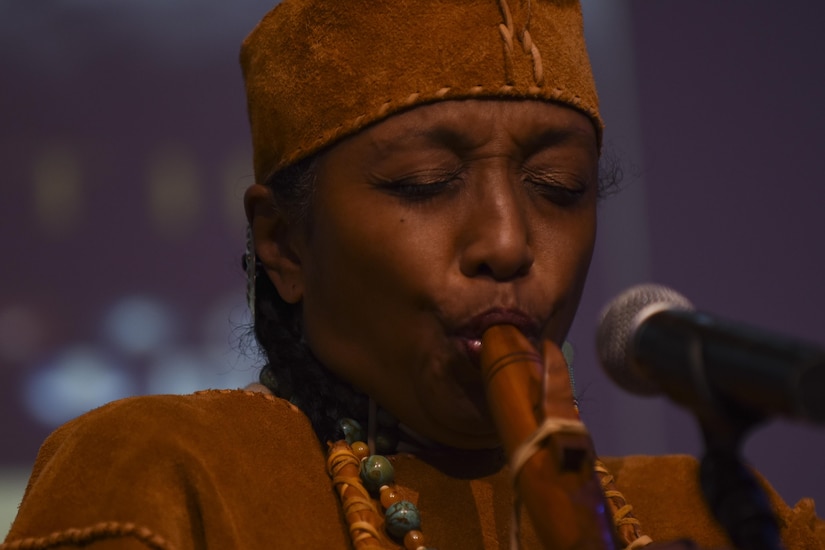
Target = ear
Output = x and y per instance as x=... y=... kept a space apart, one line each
x=276 y=243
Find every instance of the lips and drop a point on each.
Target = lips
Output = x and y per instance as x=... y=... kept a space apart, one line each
x=469 y=334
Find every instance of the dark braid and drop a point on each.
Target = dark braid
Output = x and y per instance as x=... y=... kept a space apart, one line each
x=292 y=372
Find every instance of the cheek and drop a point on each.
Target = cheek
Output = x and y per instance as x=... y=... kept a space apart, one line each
x=568 y=239
x=585 y=244
x=563 y=261
x=371 y=243
x=580 y=262
x=579 y=243
x=370 y=259
x=367 y=279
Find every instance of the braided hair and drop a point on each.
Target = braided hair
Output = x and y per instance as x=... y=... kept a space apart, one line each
x=291 y=371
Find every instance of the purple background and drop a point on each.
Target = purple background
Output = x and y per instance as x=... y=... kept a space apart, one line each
x=729 y=180
x=713 y=106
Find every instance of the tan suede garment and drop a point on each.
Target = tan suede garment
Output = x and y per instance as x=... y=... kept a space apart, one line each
x=234 y=469
x=318 y=71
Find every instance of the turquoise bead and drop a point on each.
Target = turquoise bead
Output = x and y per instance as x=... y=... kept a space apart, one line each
x=376 y=471
x=352 y=430
x=401 y=517
x=386 y=441
x=386 y=420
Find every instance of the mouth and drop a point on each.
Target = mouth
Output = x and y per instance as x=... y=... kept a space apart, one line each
x=469 y=334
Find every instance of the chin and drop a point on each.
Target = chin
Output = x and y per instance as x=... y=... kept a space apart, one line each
x=476 y=443
x=464 y=440
x=467 y=429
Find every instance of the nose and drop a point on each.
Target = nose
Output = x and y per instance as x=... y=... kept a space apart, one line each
x=496 y=241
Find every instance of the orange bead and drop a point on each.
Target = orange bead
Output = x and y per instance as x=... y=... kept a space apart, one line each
x=413 y=540
x=389 y=496
x=360 y=449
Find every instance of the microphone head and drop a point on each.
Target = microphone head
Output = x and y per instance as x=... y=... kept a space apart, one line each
x=618 y=323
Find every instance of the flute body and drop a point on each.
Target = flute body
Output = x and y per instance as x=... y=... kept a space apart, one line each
x=556 y=482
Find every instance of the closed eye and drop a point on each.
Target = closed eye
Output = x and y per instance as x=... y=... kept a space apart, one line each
x=421 y=186
x=563 y=189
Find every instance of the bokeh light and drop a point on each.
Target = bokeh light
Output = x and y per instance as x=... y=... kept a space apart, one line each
x=77 y=381
x=138 y=325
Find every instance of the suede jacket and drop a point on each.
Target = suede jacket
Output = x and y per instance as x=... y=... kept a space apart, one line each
x=237 y=469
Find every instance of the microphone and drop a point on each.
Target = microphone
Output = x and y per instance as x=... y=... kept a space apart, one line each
x=651 y=341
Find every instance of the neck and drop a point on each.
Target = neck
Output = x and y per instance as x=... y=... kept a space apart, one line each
x=458 y=463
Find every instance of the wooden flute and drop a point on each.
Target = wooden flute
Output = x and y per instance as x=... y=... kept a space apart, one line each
x=531 y=401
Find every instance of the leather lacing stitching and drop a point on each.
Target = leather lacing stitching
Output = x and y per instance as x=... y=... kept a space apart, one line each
x=525 y=452
x=359 y=510
x=507 y=30
x=555 y=94
x=627 y=527
x=108 y=529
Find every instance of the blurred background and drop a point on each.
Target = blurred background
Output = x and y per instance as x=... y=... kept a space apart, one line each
x=124 y=147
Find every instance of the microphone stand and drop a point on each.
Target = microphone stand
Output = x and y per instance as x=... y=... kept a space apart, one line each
x=730 y=488
x=732 y=491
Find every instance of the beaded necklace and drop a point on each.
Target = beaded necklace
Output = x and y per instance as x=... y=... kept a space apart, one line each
x=357 y=475
x=360 y=476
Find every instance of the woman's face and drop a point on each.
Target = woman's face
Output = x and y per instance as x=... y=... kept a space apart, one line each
x=433 y=225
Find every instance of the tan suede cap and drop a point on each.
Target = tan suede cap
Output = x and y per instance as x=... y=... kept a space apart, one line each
x=319 y=70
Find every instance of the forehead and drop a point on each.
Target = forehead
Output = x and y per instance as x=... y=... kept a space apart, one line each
x=469 y=124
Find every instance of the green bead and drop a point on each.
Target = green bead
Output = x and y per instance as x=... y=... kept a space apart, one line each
x=269 y=380
x=386 y=420
x=386 y=441
x=352 y=430
x=376 y=471
x=401 y=517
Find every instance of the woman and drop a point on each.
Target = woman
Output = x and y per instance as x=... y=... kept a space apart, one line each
x=424 y=171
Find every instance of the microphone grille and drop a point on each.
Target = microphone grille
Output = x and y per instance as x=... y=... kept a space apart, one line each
x=617 y=325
